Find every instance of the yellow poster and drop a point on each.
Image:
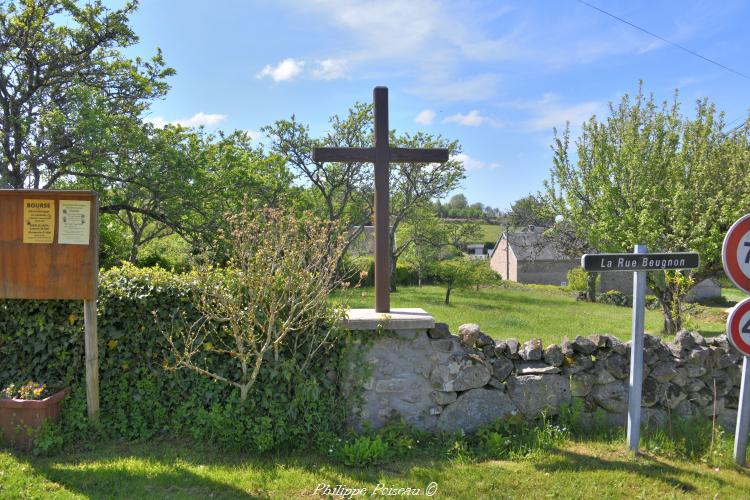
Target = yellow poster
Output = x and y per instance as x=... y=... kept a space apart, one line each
x=74 y=222
x=38 y=221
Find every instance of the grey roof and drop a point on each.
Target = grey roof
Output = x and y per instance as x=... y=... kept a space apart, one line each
x=531 y=244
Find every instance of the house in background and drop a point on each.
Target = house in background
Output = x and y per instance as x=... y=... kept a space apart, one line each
x=476 y=251
x=364 y=243
x=527 y=257
x=709 y=288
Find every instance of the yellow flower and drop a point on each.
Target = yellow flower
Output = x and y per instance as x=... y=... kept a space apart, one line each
x=111 y=344
x=72 y=319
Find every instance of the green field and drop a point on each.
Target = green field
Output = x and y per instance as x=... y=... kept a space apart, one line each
x=526 y=312
x=168 y=469
x=490 y=232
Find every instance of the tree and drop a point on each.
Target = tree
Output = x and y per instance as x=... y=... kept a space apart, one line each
x=461 y=273
x=414 y=185
x=432 y=239
x=458 y=202
x=272 y=294
x=530 y=211
x=343 y=192
x=340 y=192
x=65 y=86
x=648 y=175
x=180 y=181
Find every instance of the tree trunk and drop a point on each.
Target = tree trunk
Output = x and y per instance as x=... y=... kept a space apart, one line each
x=393 y=272
x=672 y=321
x=244 y=389
x=448 y=296
x=591 y=286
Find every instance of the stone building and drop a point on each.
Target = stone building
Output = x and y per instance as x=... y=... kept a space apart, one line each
x=527 y=257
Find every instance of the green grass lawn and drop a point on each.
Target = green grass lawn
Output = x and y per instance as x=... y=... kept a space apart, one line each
x=173 y=469
x=525 y=312
x=490 y=232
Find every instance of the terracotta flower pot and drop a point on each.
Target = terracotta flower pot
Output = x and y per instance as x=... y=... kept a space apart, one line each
x=21 y=419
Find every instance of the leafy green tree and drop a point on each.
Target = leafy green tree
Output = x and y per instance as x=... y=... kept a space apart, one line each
x=530 y=211
x=432 y=239
x=462 y=273
x=181 y=181
x=458 y=202
x=65 y=85
x=649 y=175
x=342 y=192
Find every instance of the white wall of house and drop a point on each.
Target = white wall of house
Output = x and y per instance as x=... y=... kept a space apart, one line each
x=498 y=261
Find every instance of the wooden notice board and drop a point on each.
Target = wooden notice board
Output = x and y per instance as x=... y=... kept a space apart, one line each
x=48 y=244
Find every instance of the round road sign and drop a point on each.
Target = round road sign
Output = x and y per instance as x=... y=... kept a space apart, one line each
x=738 y=327
x=735 y=253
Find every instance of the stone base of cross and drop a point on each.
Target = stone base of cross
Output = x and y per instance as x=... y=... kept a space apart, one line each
x=381 y=155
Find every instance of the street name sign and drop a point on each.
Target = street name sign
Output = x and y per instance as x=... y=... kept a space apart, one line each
x=640 y=262
x=735 y=255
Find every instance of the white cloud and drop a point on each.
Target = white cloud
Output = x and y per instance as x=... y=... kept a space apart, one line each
x=156 y=121
x=425 y=117
x=476 y=88
x=555 y=115
x=329 y=69
x=472 y=119
x=254 y=134
x=198 y=119
x=285 y=70
x=474 y=164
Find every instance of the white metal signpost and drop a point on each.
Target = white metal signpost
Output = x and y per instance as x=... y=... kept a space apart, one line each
x=735 y=254
x=638 y=263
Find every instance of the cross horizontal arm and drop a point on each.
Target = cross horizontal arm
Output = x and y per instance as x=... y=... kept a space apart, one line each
x=344 y=154
x=406 y=155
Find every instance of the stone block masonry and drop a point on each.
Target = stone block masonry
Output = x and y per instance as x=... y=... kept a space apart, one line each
x=419 y=371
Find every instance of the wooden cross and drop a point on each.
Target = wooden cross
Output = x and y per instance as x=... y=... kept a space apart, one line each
x=381 y=155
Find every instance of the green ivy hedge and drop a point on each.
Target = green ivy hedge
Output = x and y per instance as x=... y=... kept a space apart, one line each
x=139 y=397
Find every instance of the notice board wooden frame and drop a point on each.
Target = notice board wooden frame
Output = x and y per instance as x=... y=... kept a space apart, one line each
x=53 y=271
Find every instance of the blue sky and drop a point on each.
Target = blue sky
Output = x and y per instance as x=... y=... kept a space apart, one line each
x=497 y=76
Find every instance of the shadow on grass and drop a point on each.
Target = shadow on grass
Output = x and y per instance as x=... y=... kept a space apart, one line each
x=113 y=481
x=646 y=466
x=165 y=470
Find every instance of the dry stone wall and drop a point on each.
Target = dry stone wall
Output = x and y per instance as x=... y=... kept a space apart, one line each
x=438 y=381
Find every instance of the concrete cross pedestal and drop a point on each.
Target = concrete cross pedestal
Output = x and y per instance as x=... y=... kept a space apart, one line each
x=411 y=318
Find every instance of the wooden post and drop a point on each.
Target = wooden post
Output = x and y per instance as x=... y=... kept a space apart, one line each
x=92 y=360
x=636 y=357
x=382 y=210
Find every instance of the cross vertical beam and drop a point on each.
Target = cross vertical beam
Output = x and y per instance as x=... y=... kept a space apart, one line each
x=382 y=202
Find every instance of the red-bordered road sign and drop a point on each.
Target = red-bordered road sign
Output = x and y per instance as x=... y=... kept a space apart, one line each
x=735 y=253
x=738 y=327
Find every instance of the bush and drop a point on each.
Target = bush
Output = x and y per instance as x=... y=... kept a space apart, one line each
x=352 y=268
x=615 y=298
x=577 y=280
x=43 y=340
x=406 y=274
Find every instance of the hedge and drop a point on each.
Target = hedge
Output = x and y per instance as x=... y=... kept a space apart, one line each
x=139 y=397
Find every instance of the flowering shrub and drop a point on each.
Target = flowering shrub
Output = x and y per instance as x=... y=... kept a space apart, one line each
x=30 y=391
